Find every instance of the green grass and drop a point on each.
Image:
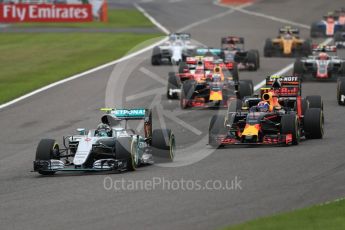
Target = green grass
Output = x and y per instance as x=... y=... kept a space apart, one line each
x=329 y=216
x=30 y=61
x=120 y=18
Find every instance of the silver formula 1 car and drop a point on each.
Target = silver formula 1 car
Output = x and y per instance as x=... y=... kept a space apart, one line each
x=321 y=65
x=175 y=50
x=110 y=147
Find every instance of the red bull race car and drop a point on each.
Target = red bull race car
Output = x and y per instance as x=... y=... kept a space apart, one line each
x=204 y=87
x=279 y=116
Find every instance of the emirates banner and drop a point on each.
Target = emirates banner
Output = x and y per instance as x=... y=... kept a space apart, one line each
x=45 y=13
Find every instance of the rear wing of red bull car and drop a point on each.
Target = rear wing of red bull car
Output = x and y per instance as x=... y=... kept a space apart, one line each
x=283 y=86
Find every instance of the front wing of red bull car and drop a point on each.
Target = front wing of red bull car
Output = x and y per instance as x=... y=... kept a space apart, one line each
x=288 y=118
x=116 y=149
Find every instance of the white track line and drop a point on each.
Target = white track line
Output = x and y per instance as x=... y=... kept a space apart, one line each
x=154 y=21
x=287 y=68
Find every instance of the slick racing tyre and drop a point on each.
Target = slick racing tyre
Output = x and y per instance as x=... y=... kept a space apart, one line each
x=298 y=69
x=253 y=58
x=173 y=84
x=163 y=145
x=268 y=48
x=217 y=127
x=316 y=31
x=289 y=125
x=156 y=56
x=245 y=88
x=47 y=149
x=341 y=91
x=313 y=123
x=307 y=48
x=187 y=91
x=315 y=101
x=127 y=149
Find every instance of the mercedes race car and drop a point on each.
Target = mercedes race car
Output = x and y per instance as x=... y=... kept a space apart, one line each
x=287 y=44
x=321 y=65
x=341 y=91
x=174 y=50
x=280 y=116
x=233 y=50
x=110 y=147
x=205 y=87
x=332 y=23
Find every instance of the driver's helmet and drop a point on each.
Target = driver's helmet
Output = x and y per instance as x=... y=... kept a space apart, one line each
x=103 y=130
x=323 y=56
x=263 y=106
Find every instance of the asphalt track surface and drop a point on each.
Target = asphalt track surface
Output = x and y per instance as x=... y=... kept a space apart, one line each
x=273 y=179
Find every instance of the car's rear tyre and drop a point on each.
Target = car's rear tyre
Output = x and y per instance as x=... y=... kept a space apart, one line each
x=216 y=127
x=245 y=89
x=315 y=101
x=156 y=56
x=307 y=48
x=234 y=72
x=163 y=145
x=253 y=59
x=126 y=150
x=298 y=69
x=187 y=91
x=313 y=123
x=268 y=48
x=315 y=31
x=47 y=149
x=173 y=84
x=289 y=125
x=341 y=91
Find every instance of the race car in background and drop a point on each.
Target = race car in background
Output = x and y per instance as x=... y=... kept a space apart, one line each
x=341 y=91
x=233 y=50
x=339 y=40
x=113 y=146
x=205 y=87
x=340 y=15
x=287 y=44
x=208 y=57
x=321 y=65
x=279 y=116
x=173 y=51
x=332 y=23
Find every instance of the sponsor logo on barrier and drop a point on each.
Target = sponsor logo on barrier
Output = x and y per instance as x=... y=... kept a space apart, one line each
x=45 y=13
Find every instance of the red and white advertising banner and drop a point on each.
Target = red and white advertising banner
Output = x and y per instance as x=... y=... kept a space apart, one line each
x=45 y=13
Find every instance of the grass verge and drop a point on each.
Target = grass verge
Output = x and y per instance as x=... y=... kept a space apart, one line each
x=329 y=216
x=30 y=61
